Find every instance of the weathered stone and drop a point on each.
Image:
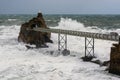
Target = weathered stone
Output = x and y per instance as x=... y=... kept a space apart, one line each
x=115 y=59
x=32 y=37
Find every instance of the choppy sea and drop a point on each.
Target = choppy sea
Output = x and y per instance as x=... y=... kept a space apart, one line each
x=19 y=63
x=100 y=21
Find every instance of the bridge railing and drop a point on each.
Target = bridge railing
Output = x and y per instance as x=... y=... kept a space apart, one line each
x=81 y=34
x=89 y=39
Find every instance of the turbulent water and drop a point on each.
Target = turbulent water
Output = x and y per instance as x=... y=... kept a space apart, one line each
x=19 y=63
x=101 y=21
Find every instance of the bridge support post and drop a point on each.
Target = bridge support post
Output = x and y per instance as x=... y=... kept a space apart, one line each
x=62 y=44
x=89 y=49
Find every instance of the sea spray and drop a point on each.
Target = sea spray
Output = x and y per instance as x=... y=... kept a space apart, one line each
x=18 y=62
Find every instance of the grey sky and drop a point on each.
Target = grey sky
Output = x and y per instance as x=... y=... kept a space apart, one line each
x=60 y=6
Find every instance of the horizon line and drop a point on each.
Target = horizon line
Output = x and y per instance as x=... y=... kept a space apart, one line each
x=58 y=14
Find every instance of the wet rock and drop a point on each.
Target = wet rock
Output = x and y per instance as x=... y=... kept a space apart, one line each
x=29 y=36
x=114 y=33
x=87 y=58
x=66 y=52
x=97 y=62
x=115 y=59
x=106 y=63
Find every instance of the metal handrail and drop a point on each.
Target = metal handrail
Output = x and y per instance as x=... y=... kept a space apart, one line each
x=80 y=33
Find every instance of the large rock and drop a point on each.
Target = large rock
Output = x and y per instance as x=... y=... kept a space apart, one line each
x=115 y=59
x=33 y=37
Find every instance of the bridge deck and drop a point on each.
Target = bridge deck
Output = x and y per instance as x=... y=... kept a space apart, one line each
x=81 y=34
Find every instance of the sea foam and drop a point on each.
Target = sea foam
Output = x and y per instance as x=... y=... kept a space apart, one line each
x=19 y=63
x=102 y=47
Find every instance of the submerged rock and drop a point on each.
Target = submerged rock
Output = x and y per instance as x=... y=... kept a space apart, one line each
x=33 y=37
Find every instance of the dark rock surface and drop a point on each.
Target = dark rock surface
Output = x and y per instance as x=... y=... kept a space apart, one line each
x=115 y=59
x=32 y=37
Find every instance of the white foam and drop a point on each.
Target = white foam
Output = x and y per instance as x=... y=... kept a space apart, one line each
x=19 y=63
x=12 y=19
x=102 y=47
x=69 y=24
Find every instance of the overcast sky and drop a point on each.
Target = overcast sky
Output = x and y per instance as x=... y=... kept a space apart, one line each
x=60 y=6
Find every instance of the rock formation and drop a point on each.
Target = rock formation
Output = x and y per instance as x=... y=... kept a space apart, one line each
x=115 y=59
x=34 y=37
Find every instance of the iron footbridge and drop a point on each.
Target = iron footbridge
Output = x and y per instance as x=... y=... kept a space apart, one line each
x=89 y=38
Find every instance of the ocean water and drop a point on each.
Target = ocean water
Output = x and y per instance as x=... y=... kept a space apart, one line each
x=19 y=63
x=100 y=21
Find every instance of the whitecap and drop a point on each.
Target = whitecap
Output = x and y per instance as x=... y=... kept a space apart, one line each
x=12 y=19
